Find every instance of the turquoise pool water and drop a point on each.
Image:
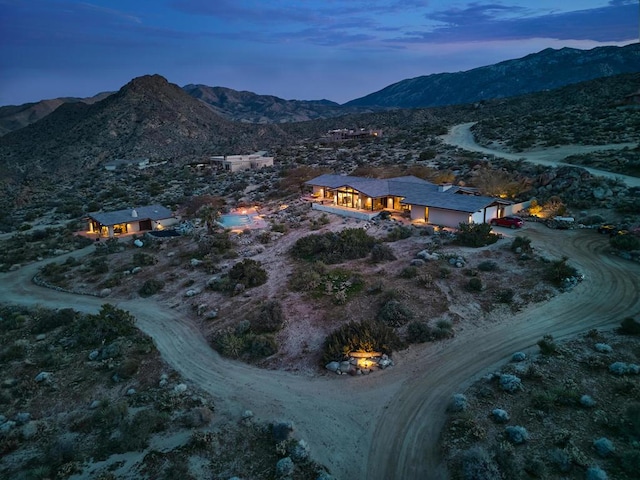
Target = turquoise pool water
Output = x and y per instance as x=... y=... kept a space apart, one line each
x=231 y=220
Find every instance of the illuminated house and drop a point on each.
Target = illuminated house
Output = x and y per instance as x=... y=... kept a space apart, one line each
x=140 y=219
x=364 y=198
x=236 y=163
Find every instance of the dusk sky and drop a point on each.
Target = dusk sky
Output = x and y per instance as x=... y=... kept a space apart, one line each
x=294 y=49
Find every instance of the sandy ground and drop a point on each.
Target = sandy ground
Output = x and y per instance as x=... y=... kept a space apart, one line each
x=461 y=136
x=387 y=425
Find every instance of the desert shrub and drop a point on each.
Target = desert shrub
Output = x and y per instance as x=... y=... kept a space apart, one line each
x=150 y=287
x=409 y=272
x=135 y=433
x=279 y=228
x=557 y=270
x=98 y=265
x=248 y=272
x=13 y=352
x=398 y=233
x=632 y=420
x=625 y=242
x=381 y=253
x=561 y=460
x=475 y=235
x=394 y=314
x=477 y=464
x=458 y=403
x=505 y=296
x=128 y=368
x=522 y=243
x=366 y=336
x=418 y=332
x=141 y=259
x=268 y=318
x=474 y=285
x=230 y=344
x=47 y=320
x=510 y=383
x=547 y=345
x=263 y=346
x=630 y=461
x=307 y=278
x=517 y=434
x=105 y=326
x=444 y=329
x=487 y=266
x=629 y=326
x=216 y=243
x=330 y=247
x=198 y=417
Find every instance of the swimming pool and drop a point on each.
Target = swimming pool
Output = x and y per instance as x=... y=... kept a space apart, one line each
x=231 y=220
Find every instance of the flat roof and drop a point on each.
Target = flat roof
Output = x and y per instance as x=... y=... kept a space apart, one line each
x=151 y=212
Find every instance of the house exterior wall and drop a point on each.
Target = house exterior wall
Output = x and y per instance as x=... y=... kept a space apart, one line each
x=418 y=212
x=164 y=223
x=447 y=218
x=481 y=217
x=516 y=207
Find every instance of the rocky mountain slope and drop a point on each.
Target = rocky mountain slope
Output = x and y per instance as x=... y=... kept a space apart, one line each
x=249 y=107
x=548 y=69
x=14 y=117
x=148 y=117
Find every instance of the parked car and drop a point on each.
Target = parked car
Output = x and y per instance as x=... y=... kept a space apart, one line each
x=511 y=222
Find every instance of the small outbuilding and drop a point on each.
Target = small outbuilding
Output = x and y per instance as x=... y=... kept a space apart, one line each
x=133 y=220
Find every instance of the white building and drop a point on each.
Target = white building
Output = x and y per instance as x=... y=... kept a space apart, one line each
x=236 y=163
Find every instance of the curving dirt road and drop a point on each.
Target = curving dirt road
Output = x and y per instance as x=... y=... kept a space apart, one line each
x=462 y=137
x=382 y=426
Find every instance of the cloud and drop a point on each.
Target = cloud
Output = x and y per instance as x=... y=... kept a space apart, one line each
x=616 y=22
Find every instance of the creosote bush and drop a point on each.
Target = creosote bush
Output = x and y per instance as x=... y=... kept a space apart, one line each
x=522 y=243
x=558 y=270
x=547 y=345
x=331 y=247
x=394 y=314
x=475 y=235
x=150 y=287
x=630 y=326
x=381 y=253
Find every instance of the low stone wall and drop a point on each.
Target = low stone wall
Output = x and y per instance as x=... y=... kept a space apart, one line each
x=43 y=283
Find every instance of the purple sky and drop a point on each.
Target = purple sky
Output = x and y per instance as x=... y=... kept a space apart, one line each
x=294 y=49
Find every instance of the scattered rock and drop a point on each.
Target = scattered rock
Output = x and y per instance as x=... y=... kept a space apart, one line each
x=95 y=404
x=603 y=348
x=499 y=415
x=517 y=434
x=46 y=377
x=22 y=418
x=105 y=292
x=604 y=447
x=587 y=401
x=284 y=467
x=41 y=337
x=519 y=357
x=300 y=452
x=596 y=473
x=194 y=262
x=459 y=403
x=247 y=414
x=94 y=355
x=131 y=391
x=417 y=262
x=332 y=366
x=135 y=270
x=180 y=388
x=138 y=243
x=7 y=426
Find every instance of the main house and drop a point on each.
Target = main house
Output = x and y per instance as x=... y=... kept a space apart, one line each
x=132 y=220
x=444 y=205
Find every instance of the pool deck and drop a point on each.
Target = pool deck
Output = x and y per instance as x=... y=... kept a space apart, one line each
x=256 y=221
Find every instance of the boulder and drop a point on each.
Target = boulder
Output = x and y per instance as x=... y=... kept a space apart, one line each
x=180 y=388
x=284 y=467
x=45 y=377
x=135 y=270
x=332 y=366
x=105 y=292
x=138 y=243
x=94 y=355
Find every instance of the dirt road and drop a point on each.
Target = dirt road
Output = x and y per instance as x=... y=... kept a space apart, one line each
x=462 y=137
x=382 y=426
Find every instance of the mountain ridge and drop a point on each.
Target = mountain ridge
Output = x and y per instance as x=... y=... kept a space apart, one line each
x=502 y=80
x=544 y=70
